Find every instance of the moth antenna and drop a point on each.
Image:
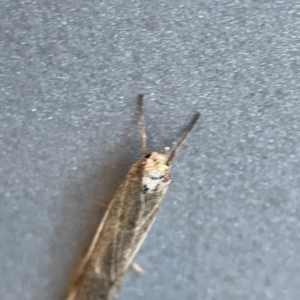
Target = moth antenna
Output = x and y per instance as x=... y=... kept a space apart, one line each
x=185 y=134
x=142 y=124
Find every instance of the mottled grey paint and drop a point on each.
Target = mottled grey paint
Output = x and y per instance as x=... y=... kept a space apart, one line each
x=70 y=74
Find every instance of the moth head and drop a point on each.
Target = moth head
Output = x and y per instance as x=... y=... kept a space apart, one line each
x=156 y=170
x=157 y=158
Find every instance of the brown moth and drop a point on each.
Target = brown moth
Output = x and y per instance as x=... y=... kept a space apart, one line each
x=126 y=223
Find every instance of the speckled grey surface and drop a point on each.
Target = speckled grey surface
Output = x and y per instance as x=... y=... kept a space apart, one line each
x=70 y=74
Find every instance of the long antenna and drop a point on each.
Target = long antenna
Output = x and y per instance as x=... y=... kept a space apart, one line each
x=185 y=134
x=142 y=124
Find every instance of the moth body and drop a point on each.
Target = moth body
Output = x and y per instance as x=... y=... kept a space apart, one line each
x=125 y=224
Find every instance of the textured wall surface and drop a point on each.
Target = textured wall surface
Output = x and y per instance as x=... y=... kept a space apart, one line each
x=70 y=73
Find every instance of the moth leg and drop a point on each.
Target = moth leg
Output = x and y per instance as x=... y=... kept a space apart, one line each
x=102 y=204
x=142 y=124
x=137 y=268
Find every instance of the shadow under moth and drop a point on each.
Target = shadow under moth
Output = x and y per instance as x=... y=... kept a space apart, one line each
x=126 y=222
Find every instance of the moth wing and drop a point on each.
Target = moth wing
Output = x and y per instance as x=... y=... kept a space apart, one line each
x=117 y=240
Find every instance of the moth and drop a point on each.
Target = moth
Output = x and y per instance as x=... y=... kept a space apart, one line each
x=126 y=222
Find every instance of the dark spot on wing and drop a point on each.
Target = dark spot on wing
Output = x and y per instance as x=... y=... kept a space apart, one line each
x=157 y=178
x=145 y=188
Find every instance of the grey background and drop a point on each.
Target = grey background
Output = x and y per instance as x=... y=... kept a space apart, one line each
x=70 y=74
